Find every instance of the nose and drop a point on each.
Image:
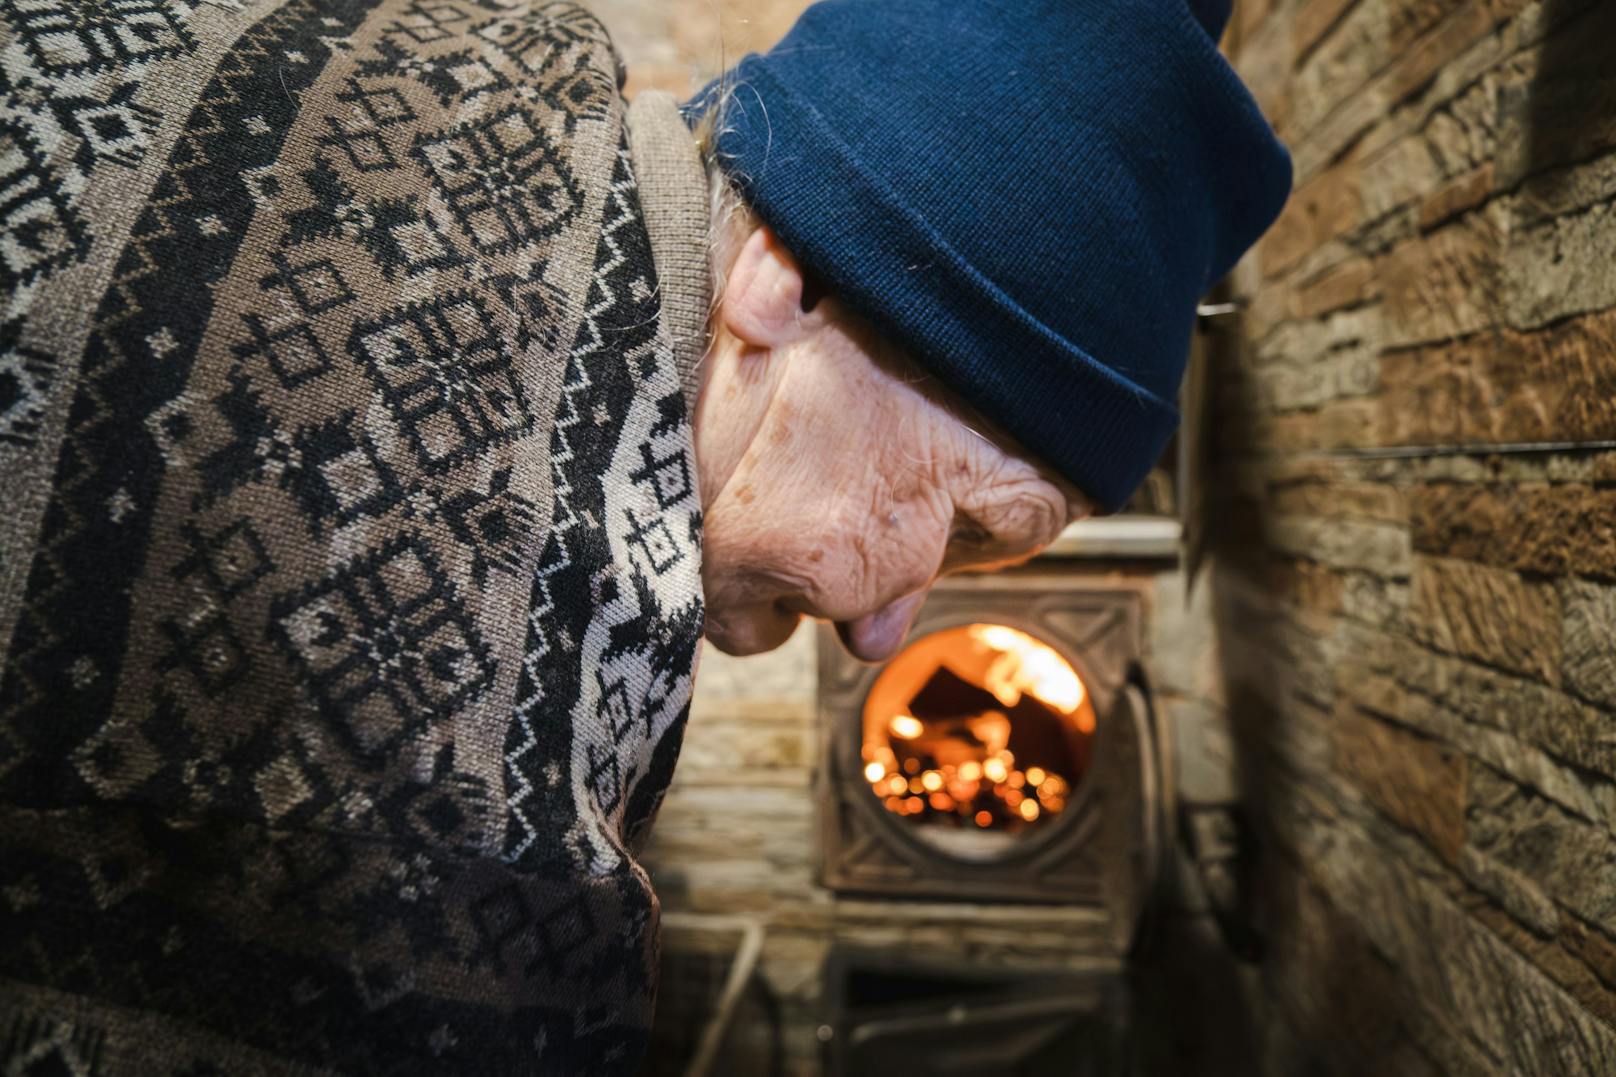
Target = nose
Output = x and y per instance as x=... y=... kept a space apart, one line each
x=876 y=637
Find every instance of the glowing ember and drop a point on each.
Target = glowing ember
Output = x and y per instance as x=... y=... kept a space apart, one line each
x=980 y=727
x=906 y=726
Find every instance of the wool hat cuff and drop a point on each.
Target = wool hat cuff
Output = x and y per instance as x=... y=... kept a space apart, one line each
x=1091 y=424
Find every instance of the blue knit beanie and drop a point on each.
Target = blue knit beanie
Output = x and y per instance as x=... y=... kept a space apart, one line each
x=1028 y=197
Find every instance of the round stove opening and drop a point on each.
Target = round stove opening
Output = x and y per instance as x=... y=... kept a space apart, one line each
x=977 y=736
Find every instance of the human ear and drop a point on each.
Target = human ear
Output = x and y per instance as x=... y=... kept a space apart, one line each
x=763 y=297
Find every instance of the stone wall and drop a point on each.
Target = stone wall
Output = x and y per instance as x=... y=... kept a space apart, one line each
x=1416 y=596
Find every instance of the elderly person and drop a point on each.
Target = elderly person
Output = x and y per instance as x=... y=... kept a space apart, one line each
x=388 y=410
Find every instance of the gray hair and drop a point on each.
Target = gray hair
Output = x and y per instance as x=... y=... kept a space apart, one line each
x=732 y=220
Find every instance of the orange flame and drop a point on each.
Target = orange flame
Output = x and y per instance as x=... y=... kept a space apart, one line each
x=1026 y=665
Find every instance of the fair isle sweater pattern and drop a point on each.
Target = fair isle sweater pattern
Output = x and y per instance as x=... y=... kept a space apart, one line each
x=347 y=654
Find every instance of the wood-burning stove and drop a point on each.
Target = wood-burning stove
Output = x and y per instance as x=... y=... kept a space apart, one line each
x=1007 y=754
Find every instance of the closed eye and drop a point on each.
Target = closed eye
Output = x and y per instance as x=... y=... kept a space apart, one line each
x=967 y=536
x=972 y=546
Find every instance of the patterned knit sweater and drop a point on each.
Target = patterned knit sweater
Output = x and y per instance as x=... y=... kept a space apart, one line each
x=349 y=553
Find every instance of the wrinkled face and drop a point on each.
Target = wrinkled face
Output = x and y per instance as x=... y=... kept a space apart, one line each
x=839 y=485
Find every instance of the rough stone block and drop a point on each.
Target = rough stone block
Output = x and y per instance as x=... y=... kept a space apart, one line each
x=1445 y=284
x=1480 y=732
x=1595 y=948
x=1554 y=384
x=1546 y=529
x=1570 y=858
x=1382 y=549
x=1522 y=898
x=1418 y=783
x=1458 y=196
x=1345 y=285
x=1306 y=584
x=1248 y=15
x=1561 y=267
x=1374 y=34
x=1590 y=641
x=1337 y=496
x=1523 y=710
x=678 y=45
x=1405 y=171
x=1488 y=614
x=1348 y=369
x=1370 y=119
x=1418 y=65
x=1557 y=956
x=1463 y=133
x=1327 y=205
x=1558 y=383
x=1342 y=334
x=1428 y=395
x=1555 y=193
x=1265 y=67
x=1311 y=20
x=1345 y=60
x=1376 y=601
x=1339 y=424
